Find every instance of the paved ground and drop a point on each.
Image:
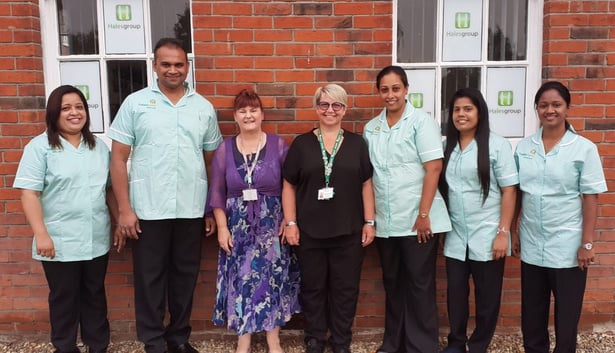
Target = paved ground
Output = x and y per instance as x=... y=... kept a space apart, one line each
x=292 y=343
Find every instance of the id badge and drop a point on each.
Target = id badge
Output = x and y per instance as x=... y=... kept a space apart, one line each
x=325 y=193
x=249 y=195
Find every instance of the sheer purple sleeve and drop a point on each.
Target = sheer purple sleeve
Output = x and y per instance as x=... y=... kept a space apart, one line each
x=283 y=149
x=217 y=185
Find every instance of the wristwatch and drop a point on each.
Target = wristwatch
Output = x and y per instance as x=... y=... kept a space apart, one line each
x=370 y=222
x=291 y=223
x=588 y=246
x=423 y=214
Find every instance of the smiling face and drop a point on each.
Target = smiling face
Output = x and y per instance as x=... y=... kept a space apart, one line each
x=465 y=116
x=393 y=92
x=330 y=111
x=171 y=67
x=249 y=118
x=72 y=115
x=552 y=110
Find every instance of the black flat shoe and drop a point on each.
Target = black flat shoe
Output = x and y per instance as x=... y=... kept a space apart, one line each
x=183 y=348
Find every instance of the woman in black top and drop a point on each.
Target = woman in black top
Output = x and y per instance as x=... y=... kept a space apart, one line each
x=328 y=204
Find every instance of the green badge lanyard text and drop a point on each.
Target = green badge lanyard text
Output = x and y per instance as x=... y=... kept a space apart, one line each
x=328 y=162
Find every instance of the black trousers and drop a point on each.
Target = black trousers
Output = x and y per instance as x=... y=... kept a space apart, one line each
x=487 y=277
x=330 y=274
x=77 y=300
x=166 y=260
x=568 y=288
x=409 y=278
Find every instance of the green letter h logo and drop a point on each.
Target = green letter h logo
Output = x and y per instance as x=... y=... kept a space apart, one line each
x=505 y=98
x=462 y=20
x=85 y=89
x=123 y=13
x=416 y=99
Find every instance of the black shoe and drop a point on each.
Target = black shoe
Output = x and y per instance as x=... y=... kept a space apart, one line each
x=182 y=348
x=313 y=345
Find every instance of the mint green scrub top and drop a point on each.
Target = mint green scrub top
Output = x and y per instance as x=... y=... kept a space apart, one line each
x=551 y=225
x=73 y=183
x=167 y=178
x=397 y=154
x=475 y=224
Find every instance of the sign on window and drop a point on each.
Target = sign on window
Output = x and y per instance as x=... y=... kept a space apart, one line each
x=124 y=31
x=506 y=100
x=462 y=35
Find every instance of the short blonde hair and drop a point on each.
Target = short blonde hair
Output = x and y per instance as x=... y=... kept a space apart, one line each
x=337 y=92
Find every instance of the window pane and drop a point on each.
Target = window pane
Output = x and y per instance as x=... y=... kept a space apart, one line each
x=454 y=78
x=124 y=77
x=171 y=19
x=416 y=31
x=78 y=27
x=507 y=30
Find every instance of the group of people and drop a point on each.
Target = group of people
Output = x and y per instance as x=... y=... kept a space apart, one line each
x=292 y=221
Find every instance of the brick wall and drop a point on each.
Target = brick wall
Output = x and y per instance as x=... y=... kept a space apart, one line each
x=284 y=50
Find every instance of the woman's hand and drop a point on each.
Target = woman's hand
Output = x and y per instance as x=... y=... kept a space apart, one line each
x=291 y=234
x=422 y=225
x=500 y=245
x=129 y=225
x=367 y=235
x=45 y=247
x=119 y=239
x=225 y=240
x=585 y=257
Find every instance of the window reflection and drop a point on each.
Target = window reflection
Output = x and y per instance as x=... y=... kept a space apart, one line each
x=124 y=77
x=78 y=28
x=454 y=78
x=507 y=30
x=416 y=31
x=171 y=19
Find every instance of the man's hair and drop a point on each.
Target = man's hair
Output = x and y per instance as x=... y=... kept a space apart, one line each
x=170 y=43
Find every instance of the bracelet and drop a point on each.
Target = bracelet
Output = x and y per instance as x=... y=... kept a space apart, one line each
x=503 y=230
x=423 y=214
x=370 y=222
x=291 y=223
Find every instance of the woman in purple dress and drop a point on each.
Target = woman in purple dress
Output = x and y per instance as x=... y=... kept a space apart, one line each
x=258 y=277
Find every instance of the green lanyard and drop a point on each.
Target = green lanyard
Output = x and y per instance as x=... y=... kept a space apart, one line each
x=328 y=162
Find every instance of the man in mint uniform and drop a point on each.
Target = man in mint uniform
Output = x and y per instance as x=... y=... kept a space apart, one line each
x=166 y=126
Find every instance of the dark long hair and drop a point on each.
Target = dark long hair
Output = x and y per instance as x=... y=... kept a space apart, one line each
x=52 y=115
x=561 y=90
x=481 y=137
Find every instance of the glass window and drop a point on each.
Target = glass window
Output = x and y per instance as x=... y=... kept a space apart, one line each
x=77 y=27
x=124 y=77
x=416 y=31
x=109 y=64
x=507 y=30
x=172 y=19
x=464 y=42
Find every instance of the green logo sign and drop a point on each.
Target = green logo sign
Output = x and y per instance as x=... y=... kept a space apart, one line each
x=462 y=20
x=505 y=98
x=85 y=89
x=123 y=12
x=416 y=99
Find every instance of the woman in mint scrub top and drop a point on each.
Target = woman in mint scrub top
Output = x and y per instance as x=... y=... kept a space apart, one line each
x=66 y=196
x=560 y=177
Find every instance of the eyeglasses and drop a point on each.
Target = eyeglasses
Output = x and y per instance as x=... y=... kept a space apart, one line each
x=324 y=106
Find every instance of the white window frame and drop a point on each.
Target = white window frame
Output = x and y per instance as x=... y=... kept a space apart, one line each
x=52 y=57
x=533 y=62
